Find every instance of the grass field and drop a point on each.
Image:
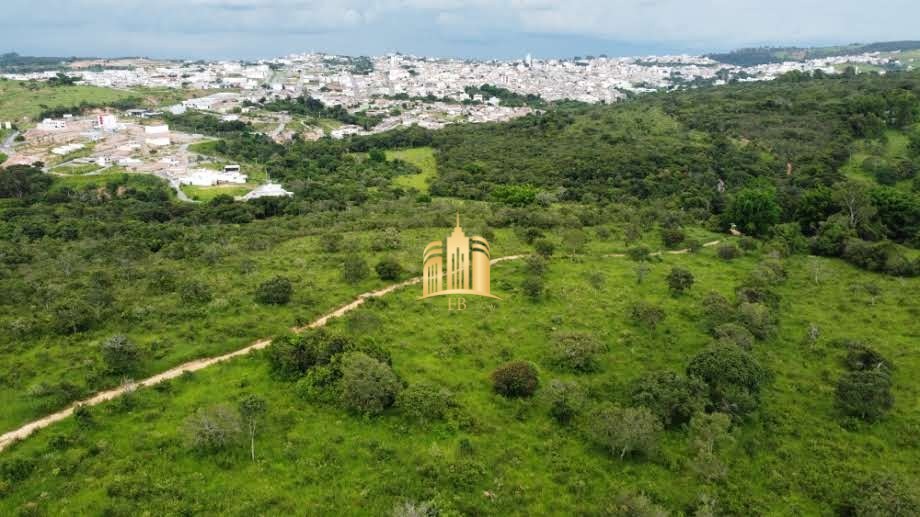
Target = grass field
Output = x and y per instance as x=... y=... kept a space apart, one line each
x=208 y=193
x=893 y=148
x=496 y=456
x=18 y=101
x=421 y=157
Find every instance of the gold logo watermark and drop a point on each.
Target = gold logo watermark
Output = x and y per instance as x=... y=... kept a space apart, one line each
x=458 y=266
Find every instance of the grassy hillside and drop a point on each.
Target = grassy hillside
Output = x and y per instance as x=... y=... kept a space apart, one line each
x=421 y=157
x=498 y=456
x=18 y=100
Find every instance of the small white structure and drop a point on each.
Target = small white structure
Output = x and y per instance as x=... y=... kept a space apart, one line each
x=50 y=124
x=67 y=149
x=210 y=178
x=107 y=122
x=230 y=118
x=157 y=135
x=267 y=190
x=102 y=161
x=7 y=125
x=129 y=161
x=177 y=109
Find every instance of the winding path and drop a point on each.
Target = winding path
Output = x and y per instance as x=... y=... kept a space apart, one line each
x=198 y=364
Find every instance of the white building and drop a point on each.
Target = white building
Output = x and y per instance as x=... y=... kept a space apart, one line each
x=50 y=124
x=157 y=135
x=210 y=178
x=267 y=190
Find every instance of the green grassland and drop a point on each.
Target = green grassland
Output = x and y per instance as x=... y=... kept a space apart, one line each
x=208 y=193
x=421 y=157
x=18 y=101
x=886 y=152
x=498 y=456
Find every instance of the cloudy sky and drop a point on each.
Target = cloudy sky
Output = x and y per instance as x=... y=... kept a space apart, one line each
x=252 y=29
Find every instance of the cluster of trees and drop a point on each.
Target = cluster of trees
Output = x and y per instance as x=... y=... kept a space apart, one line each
x=312 y=107
x=205 y=123
x=85 y=107
x=507 y=97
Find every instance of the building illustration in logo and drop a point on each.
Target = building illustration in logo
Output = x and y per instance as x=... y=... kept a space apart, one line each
x=459 y=265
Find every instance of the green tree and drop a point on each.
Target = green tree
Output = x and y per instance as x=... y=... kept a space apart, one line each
x=120 y=355
x=368 y=386
x=354 y=269
x=276 y=291
x=623 y=431
x=754 y=210
x=679 y=280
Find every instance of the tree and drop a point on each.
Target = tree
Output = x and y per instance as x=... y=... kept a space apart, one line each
x=330 y=242
x=857 y=205
x=368 y=386
x=544 y=248
x=213 y=429
x=566 y=400
x=388 y=269
x=515 y=379
x=708 y=434
x=679 y=280
x=195 y=293
x=733 y=376
x=574 y=241
x=533 y=287
x=576 y=351
x=865 y=394
x=276 y=291
x=673 y=398
x=647 y=314
x=120 y=355
x=754 y=210
x=884 y=495
x=251 y=410
x=623 y=431
x=354 y=269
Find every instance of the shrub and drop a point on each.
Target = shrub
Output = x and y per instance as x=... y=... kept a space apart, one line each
x=330 y=242
x=535 y=265
x=120 y=355
x=624 y=431
x=672 y=237
x=276 y=291
x=515 y=379
x=389 y=239
x=861 y=357
x=747 y=243
x=544 y=248
x=566 y=400
x=368 y=386
x=672 y=398
x=354 y=269
x=576 y=351
x=885 y=495
x=634 y=505
x=734 y=334
x=679 y=280
x=533 y=287
x=758 y=319
x=639 y=253
x=717 y=310
x=864 y=394
x=290 y=356
x=647 y=314
x=728 y=251
x=708 y=434
x=195 y=293
x=388 y=269
x=733 y=376
x=72 y=315
x=213 y=428
x=425 y=402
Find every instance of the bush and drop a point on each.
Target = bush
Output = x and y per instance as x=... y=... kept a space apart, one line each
x=276 y=291
x=544 y=248
x=885 y=495
x=639 y=253
x=213 y=428
x=728 y=251
x=627 y=504
x=672 y=398
x=647 y=314
x=758 y=319
x=864 y=394
x=290 y=357
x=533 y=287
x=368 y=386
x=354 y=269
x=72 y=315
x=535 y=265
x=388 y=269
x=566 y=400
x=120 y=355
x=672 y=237
x=717 y=310
x=861 y=357
x=733 y=376
x=425 y=402
x=576 y=351
x=515 y=379
x=734 y=334
x=624 y=431
x=330 y=242
x=679 y=280
x=195 y=293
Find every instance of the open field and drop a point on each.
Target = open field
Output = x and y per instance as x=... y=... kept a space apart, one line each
x=18 y=101
x=500 y=456
x=421 y=157
x=208 y=193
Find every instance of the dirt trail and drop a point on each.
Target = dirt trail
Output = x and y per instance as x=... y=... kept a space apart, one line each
x=198 y=364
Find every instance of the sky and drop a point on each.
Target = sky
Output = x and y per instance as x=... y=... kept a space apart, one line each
x=504 y=29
